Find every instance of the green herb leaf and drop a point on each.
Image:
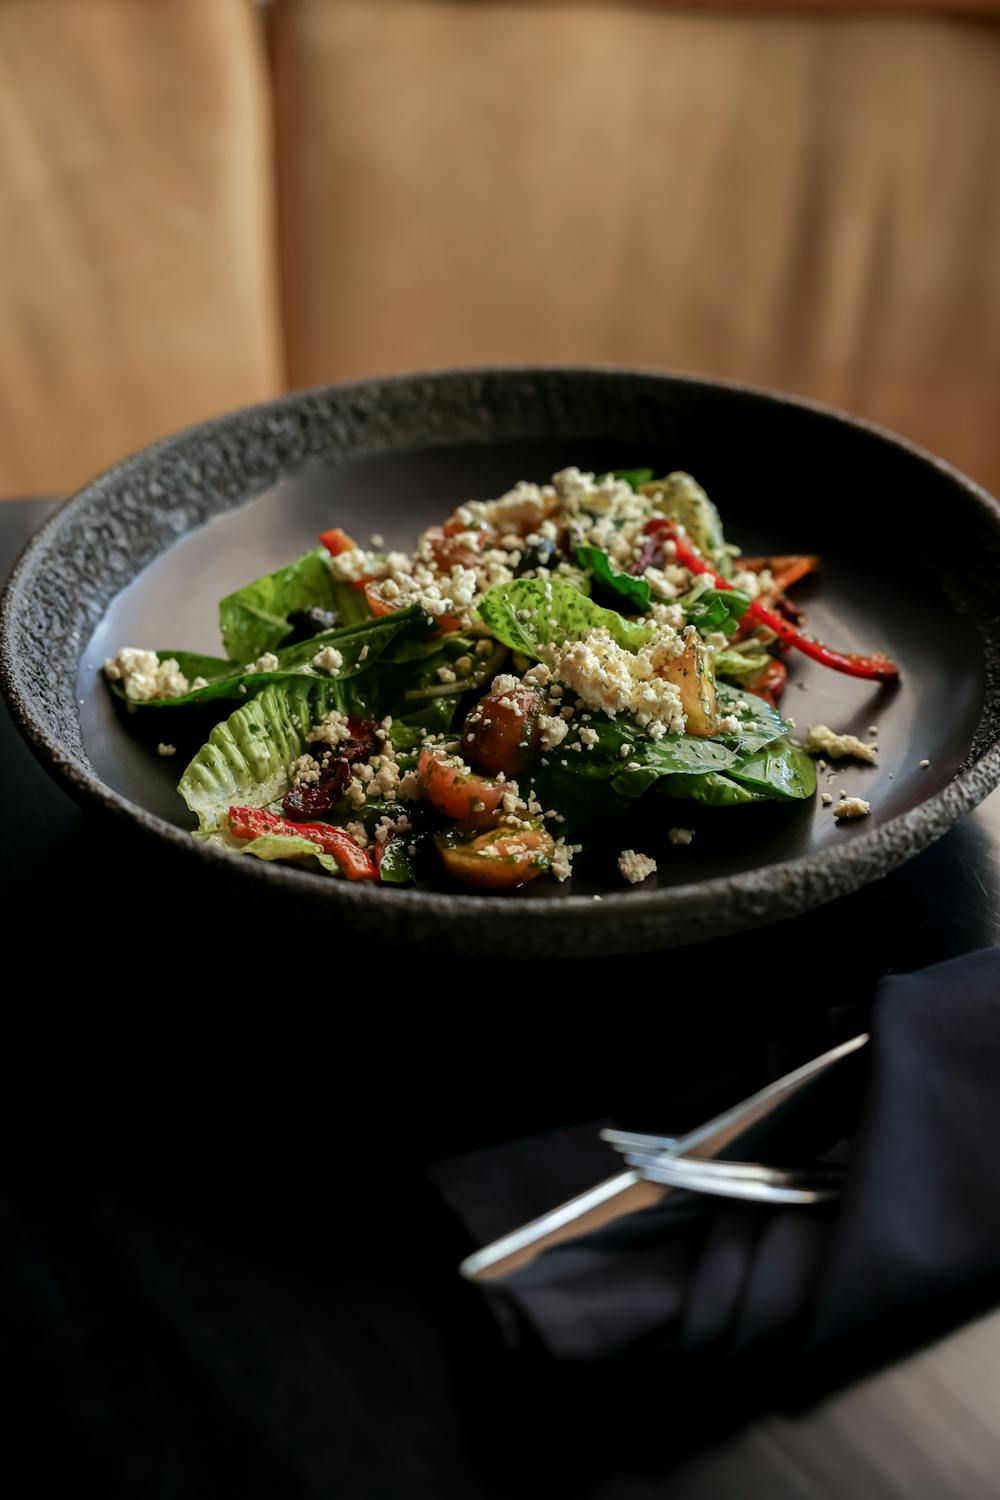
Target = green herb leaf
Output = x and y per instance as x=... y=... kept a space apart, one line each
x=715 y=609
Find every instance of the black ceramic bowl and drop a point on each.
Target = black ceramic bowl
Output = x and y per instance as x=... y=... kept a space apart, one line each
x=911 y=553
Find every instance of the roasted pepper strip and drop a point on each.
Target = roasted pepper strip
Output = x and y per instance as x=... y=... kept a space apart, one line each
x=252 y=822
x=877 y=666
x=336 y=541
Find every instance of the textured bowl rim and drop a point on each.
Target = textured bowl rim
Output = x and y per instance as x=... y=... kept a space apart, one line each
x=628 y=920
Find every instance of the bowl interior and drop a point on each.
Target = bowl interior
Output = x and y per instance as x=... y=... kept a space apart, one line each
x=803 y=493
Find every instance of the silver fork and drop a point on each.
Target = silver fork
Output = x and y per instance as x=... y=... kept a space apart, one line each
x=743 y=1179
x=631 y=1191
x=655 y=1156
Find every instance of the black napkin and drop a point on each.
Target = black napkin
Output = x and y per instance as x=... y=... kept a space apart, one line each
x=920 y=1214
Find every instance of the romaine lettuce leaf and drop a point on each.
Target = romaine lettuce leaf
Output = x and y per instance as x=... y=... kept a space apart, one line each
x=281 y=846
x=682 y=499
x=741 y=663
x=530 y=614
x=248 y=758
x=628 y=591
x=254 y=619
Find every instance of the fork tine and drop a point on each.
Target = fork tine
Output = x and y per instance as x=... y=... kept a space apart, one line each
x=744 y=1170
x=806 y=1190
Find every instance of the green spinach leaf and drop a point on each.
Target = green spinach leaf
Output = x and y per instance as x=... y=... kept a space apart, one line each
x=254 y=619
x=626 y=590
x=361 y=647
x=634 y=477
x=531 y=614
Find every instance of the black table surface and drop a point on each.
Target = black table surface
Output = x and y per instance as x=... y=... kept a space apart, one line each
x=216 y=1291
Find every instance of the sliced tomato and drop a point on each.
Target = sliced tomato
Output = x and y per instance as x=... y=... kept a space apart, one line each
x=458 y=794
x=501 y=733
x=497 y=860
x=379 y=605
x=253 y=822
x=376 y=603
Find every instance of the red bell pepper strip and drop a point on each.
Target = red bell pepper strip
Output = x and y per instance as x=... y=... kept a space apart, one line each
x=876 y=666
x=336 y=541
x=770 y=682
x=254 y=822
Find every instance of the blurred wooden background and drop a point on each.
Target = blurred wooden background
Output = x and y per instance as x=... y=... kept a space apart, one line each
x=204 y=202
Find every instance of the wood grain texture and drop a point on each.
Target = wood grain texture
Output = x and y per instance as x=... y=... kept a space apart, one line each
x=136 y=225
x=804 y=201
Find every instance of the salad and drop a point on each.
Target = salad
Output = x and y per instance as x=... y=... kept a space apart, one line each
x=480 y=706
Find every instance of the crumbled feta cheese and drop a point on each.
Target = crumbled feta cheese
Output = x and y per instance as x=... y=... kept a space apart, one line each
x=821 y=740
x=505 y=683
x=445 y=674
x=588 y=736
x=144 y=676
x=358 y=833
x=680 y=835
x=268 y=662
x=609 y=678
x=306 y=770
x=163 y=749
x=329 y=659
x=553 y=730
x=852 y=807
x=561 y=863
x=635 y=867
x=331 y=729
x=729 y=725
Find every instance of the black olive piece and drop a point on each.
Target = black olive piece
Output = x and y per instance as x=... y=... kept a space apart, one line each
x=306 y=623
x=540 y=554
